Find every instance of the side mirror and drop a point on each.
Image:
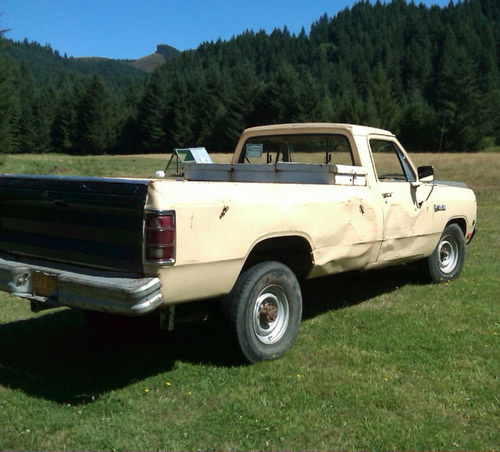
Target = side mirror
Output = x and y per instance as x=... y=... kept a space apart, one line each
x=425 y=173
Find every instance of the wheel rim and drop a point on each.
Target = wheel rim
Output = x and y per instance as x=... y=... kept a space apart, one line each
x=448 y=254
x=270 y=314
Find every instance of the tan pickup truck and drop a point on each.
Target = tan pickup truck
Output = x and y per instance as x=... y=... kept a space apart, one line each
x=298 y=201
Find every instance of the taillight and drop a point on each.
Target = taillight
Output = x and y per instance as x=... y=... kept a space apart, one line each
x=159 y=234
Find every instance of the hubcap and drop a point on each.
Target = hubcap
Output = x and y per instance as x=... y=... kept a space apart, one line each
x=448 y=254
x=270 y=314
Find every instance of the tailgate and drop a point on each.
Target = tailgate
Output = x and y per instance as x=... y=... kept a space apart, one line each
x=93 y=222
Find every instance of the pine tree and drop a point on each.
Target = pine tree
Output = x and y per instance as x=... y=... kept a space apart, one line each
x=93 y=127
x=7 y=100
x=458 y=98
x=180 y=118
x=129 y=140
x=151 y=115
x=25 y=126
x=419 y=128
x=61 y=130
x=64 y=114
x=43 y=117
x=387 y=109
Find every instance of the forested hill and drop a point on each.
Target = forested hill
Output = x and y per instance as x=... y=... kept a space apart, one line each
x=431 y=75
x=46 y=64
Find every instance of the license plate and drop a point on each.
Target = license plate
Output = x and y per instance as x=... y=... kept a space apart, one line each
x=44 y=284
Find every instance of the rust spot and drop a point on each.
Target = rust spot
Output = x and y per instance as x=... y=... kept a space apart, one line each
x=268 y=313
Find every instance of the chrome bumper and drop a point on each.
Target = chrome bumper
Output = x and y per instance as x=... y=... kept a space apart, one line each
x=96 y=291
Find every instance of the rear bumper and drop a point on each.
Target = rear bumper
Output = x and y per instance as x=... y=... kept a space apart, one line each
x=96 y=291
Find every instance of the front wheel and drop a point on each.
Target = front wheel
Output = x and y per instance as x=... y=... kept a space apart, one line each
x=265 y=310
x=447 y=260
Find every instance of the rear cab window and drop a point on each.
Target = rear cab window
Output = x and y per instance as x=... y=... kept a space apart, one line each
x=298 y=148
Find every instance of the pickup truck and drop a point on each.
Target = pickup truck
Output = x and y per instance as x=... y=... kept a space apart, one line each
x=297 y=201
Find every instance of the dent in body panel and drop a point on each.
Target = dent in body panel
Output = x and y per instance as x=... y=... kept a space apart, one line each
x=400 y=213
x=406 y=221
x=413 y=229
x=355 y=240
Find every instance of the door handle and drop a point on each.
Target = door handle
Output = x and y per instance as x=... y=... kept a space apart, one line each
x=386 y=195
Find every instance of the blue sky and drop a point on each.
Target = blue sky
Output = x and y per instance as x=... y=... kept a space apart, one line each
x=131 y=29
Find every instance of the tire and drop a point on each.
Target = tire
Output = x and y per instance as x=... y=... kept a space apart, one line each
x=265 y=311
x=447 y=260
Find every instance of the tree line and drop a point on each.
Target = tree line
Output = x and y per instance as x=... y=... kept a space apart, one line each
x=431 y=75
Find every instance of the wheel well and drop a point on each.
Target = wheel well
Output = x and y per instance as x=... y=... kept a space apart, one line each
x=461 y=223
x=292 y=251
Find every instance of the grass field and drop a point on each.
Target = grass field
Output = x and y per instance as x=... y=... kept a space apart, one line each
x=382 y=362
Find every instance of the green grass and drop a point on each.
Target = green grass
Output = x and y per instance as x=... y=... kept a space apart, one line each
x=382 y=362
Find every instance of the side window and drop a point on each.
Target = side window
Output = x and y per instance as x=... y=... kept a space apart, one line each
x=298 y=148
x=390 y=162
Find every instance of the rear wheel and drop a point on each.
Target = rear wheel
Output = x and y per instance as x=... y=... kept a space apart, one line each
x=447 y=260
x=265 y=310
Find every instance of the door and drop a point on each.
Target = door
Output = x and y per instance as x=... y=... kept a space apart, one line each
x=402 y=198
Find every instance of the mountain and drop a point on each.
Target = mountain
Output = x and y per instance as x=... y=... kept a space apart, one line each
x=45 y=62
x=151 y=62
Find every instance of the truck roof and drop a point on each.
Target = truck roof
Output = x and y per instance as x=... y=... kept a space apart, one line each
x=315 y=127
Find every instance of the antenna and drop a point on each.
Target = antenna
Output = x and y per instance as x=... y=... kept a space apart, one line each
x=442 y=133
